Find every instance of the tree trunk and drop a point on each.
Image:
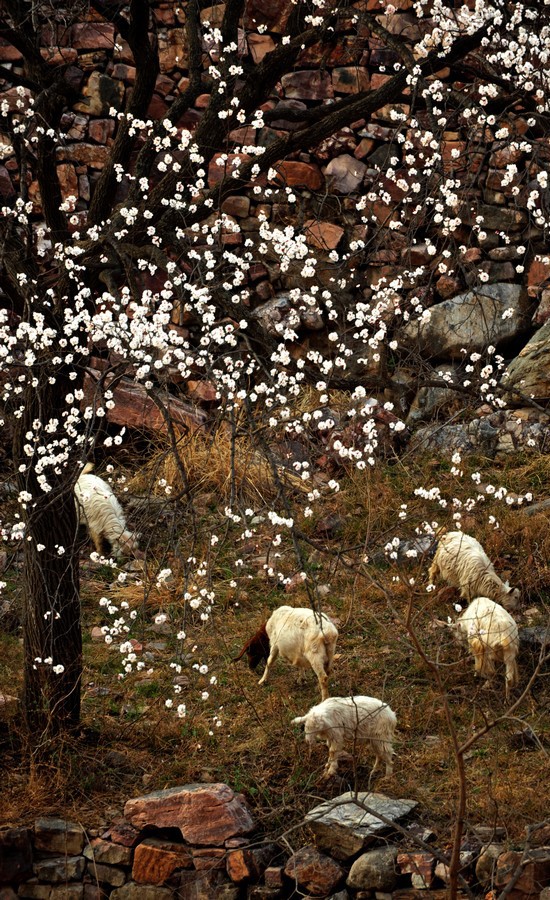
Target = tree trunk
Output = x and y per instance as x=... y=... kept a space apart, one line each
x=51 y=699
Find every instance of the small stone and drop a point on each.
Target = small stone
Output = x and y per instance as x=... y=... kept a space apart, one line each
x=273 y=876
x=121 y=832
x=374 y=871
x=420 y=866
x=535 y=871
x=106 y=852
x=107 y=874
x=248 y=864
x=99 y=94
x=133 y=891
x=58 y=836
x=345 y=173
x=323 y=235
x=237 y=206
x=155 y=860
x=299 y=174
x=91 y=36
x=307 y=84
x=314 y=871
x=486 y=864
x=31 y=890
x=60 y=869
x=208 y=858
x=259 y=45
x=67 y=892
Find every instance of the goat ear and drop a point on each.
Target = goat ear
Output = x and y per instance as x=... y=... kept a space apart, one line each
x=299 y=720
x=240 y=656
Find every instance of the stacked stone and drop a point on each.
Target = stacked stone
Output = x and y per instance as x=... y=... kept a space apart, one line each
x=356 y=854
x=345 y=165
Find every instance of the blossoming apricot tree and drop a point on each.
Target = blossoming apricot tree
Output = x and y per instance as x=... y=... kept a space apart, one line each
x=108 y=278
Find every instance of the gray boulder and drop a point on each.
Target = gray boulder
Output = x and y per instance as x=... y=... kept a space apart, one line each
x=472 y=320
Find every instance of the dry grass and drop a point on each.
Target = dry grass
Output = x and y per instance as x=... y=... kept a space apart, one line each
x=256 y=749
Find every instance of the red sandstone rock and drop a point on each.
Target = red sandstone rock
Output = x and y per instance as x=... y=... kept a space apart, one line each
x=363 y=148
x=420 y=865
x=202 y=391
x=245 y=136
x=134 y=409
x=157 y=108
x=314 y=871
x=300 y=174
x=535 y=874
x=121 y=832
x=155 y=860
x=248 y=864
x=348 y=51
x=173 y=50
x=504 y=156
x=101 y=130
x=259 y=45
x=68 y=181
x=273 y=13
x=208 y=858
x=7 y=189
x=237 y=206
x=472 y=255
x=446 y=286
x=216 y=173
x=92 y=36
x=323 y=235
x=92 y=155
x=206 y=814
x=537 y=275
x=9 y=53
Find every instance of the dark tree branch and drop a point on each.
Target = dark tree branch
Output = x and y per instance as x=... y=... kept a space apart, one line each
x=145 y=54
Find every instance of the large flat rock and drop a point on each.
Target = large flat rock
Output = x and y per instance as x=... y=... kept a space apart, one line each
x=347 y=824
x=206 y=814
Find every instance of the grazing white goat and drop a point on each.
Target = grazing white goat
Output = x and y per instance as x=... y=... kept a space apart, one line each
x=301 y=636
x=463 y=563
x=100 y=511
x=492 y=635
x=351 y=720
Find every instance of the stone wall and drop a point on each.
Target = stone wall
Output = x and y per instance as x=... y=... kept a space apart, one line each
x=200 y=842
x=503 y=268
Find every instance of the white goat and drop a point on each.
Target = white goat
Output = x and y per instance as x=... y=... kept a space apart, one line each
x=492 y=635
x=463 y=563
x=100 y=511
x=351 y=720
x=301 y=636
